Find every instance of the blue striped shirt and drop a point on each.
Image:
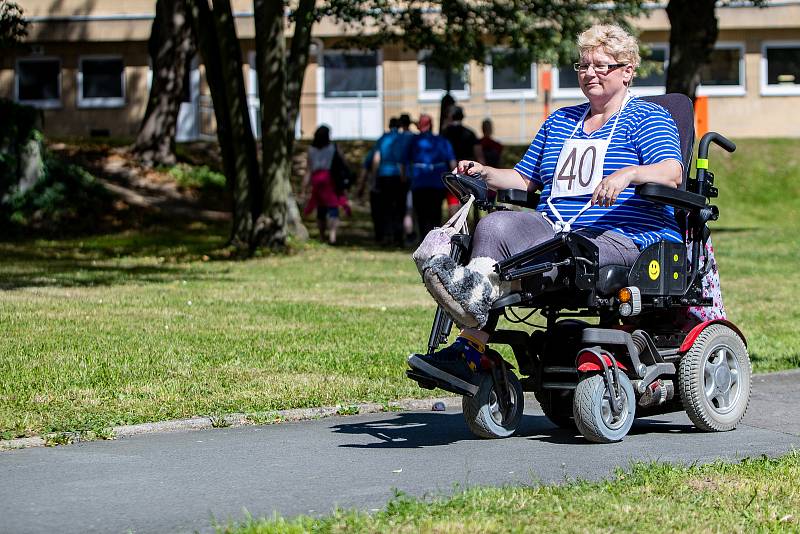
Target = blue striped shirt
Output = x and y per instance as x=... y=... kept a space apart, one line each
x=645 y=134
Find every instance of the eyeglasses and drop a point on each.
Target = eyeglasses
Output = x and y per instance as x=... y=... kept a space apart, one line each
x=598 y=69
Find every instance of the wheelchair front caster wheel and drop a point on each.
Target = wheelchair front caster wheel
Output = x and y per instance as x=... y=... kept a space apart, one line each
x=592 y=409
x=714 y=379
x=485 y=413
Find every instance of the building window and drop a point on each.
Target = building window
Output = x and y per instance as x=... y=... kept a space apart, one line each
x=505 y=82
x=565 y=82
x=724 y=73
x=101 y=82
x=780 y=68
x=350 y=74
x=38 y=82
x=432 y=80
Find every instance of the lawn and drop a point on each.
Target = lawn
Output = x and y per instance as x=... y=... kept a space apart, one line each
x=756 y=495
x=157 y=324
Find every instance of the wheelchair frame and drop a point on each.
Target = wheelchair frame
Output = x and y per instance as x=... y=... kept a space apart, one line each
x=636 y=347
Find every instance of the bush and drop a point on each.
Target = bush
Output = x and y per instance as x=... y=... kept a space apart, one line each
x=197 y=177
x=64 y=194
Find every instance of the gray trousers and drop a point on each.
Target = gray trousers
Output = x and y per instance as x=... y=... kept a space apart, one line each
x=502 y=234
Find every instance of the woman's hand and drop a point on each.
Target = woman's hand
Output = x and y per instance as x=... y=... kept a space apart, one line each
x=607 y=191
x=668 y=172
x=470 y=167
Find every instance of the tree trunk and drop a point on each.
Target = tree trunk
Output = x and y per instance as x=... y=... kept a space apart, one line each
x=298 y=61
x=271 y=66
x=280 y=216
x=694 y=30
x=222 y=57
x=170 y=47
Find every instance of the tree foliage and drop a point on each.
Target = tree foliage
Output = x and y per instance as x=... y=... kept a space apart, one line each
x=13 y=26
x=459 y=31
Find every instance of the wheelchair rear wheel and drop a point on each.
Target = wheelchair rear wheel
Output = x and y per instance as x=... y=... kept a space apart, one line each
x=714 y=379
x=592 y=409
x=485 y=414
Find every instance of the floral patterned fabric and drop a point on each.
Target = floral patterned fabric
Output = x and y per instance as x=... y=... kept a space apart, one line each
x=711 y=288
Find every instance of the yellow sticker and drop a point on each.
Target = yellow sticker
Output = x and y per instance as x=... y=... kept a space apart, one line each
x=675 y=258
x=675 y=276
x=654 y=270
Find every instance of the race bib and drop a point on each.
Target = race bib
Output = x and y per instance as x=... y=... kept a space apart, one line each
x=580 y=167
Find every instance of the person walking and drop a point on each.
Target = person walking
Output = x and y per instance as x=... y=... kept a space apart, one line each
x=429 y=156
x=323 y=197
x=387 y=165
x=465 y=145
x=492 y=149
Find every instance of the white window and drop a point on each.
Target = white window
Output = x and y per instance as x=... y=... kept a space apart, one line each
x=101 y=82
x=780 y=68
x=432 y=80
x=504 y=82
x=723 y=75
x=38 y=82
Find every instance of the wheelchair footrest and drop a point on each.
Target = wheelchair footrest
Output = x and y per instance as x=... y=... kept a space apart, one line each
x=426 y=381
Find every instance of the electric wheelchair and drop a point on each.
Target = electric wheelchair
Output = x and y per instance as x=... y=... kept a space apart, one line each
x=634 y=354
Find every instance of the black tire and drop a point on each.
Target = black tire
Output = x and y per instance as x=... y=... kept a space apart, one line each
x=714 y=379
x=592 y=409
x=557 y=407
x=482 y=413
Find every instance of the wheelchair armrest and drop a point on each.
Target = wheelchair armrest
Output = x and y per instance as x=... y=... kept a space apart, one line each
x=518 y=197
x=678 y=198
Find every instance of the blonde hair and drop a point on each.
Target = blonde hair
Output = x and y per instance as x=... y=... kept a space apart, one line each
x=613 y=40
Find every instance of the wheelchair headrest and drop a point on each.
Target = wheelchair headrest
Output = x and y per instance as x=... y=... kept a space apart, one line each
x=682 y=111
x=464 y=185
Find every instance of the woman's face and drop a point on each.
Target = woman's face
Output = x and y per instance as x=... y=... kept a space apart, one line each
x=603 y=86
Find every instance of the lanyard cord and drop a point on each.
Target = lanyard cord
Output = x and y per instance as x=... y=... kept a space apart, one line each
x=565 y=226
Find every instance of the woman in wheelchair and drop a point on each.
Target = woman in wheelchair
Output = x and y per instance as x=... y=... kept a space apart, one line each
x=586 y=160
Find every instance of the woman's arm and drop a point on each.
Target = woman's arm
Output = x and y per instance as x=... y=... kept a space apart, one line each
x=668 y=172
x=495 y=178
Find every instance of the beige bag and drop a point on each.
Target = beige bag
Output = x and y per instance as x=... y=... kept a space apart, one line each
x=437 y=242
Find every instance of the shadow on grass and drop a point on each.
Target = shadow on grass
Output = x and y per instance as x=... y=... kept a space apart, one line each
x=110 y=259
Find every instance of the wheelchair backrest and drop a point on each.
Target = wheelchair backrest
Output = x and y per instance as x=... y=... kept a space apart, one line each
x=682 y=111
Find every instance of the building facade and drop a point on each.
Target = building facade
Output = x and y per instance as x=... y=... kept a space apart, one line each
x=86 y=66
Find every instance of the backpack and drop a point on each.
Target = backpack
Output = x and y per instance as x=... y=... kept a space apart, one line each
x=340 y=172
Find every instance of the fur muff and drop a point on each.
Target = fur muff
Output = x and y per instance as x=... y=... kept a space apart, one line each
x=466 y=292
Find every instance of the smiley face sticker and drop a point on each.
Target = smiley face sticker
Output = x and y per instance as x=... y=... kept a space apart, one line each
x=654 y=269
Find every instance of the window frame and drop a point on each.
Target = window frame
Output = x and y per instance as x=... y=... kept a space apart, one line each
x=508 y=94
x=435 y=95
x=573 y=93
x=49 y=103
x=728 y=90
x=100 y=102
x=776 y=89
x=321 y=76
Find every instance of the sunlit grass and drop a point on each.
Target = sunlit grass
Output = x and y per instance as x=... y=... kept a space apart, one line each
x=756 y=495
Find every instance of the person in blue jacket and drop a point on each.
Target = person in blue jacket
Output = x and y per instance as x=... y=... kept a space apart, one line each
x=427 y=158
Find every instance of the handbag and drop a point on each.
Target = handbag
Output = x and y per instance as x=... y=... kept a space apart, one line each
x=340 y=172
x=437 y=242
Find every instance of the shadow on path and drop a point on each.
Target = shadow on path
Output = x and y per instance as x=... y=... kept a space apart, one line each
x=416 y=430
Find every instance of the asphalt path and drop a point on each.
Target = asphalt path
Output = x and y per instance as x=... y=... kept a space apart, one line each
x=183 y=481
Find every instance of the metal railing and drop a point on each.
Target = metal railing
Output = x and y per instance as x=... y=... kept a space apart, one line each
x=365 y=116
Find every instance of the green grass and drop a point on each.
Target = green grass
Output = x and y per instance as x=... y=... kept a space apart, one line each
x=756 y=495
x=157 y=324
